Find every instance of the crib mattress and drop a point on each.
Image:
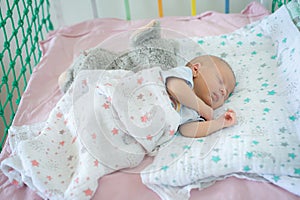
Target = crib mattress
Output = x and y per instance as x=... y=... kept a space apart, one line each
x=59 y=50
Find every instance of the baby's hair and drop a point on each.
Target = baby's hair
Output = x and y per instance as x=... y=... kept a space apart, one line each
x=224 y=61
x=199 y=59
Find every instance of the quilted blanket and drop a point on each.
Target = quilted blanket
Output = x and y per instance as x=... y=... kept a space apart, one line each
x=107 y=121
x=265 y=144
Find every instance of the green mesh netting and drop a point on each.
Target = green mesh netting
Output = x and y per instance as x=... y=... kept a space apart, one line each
x=23 y=24
x=278 y=3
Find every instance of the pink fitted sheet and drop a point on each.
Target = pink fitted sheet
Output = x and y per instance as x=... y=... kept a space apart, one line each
x=59 y=50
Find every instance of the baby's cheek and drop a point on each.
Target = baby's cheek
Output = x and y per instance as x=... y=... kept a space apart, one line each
x=208 y=100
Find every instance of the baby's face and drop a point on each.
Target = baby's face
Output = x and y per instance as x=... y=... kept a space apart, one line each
x=215 y=83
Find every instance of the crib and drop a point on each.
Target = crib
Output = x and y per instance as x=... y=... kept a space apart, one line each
x=24 y=24
x=34 y=17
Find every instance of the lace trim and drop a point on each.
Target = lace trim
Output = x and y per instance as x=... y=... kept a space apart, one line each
x=16 y=134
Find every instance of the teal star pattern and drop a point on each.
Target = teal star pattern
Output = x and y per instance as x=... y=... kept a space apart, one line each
x=247 y=100
x=292 y=155
x=265 y=85
x=297 y=171
x=260 y=78
x=282 y=130
x=255 y=142
x=223 y=43
x=293 y=118
x=249 y=155
x=165 y=167
x=263 y=65
x=259 y=35
x=200 y=41
x=186 y=147
x=215 y=159
x=266 y=109
x=173 y=155
x=284 y=40
x=276 y=178
x=253 y=53
x=223 y=55
x=293 y=50
x=236 y=136
x=247 y=168
x=284 y=144
x=200 y=140
x=272 y=92
x=261 y=166
x=239 y=43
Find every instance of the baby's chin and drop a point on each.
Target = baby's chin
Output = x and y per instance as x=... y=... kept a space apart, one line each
x=218 y=104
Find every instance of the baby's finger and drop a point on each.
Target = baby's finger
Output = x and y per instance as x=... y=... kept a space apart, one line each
x=230 y=110
x=228 y=115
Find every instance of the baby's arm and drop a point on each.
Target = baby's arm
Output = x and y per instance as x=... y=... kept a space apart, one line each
x=180 y=90
x=202 y=129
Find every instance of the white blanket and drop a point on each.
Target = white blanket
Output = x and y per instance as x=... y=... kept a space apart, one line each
x=265 y=145
x=107 y=121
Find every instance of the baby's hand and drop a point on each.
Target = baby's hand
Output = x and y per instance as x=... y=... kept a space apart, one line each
x=229 y=118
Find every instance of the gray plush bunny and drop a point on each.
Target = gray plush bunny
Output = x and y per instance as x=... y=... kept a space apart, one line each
x=147 y=49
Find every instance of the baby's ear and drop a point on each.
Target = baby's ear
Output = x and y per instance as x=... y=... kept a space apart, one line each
x=195 y=69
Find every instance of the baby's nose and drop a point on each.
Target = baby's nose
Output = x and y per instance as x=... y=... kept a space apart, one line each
x=223 y=91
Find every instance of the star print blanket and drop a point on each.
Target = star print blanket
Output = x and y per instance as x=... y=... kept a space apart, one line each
x=107 y=121
x=265 y=144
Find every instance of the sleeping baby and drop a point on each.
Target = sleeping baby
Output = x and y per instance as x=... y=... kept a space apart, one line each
x=198 y=88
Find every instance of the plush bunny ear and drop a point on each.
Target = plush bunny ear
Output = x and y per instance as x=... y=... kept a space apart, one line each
x=149 y=32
